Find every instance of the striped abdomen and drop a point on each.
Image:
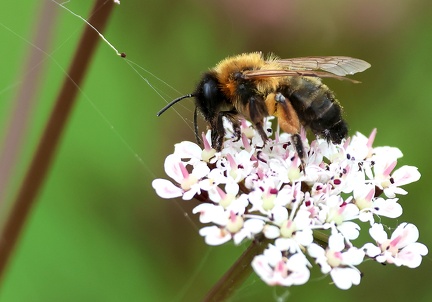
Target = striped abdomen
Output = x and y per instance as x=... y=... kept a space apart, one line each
x=316 y=107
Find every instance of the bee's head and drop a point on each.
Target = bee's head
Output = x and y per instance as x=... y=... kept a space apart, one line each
x=208 y=100
x=208 y=96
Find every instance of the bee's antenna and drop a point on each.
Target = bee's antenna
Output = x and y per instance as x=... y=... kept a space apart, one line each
x=174 y=102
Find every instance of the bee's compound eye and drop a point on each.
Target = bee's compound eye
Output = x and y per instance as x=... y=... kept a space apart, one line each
x=279 y=98
x=237 y=75
x=209 y=89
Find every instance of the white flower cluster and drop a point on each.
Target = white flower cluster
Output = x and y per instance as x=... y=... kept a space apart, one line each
x=310 y=211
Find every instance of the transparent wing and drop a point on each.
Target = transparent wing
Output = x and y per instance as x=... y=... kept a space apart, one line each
x=340 y=66
x=254 y=74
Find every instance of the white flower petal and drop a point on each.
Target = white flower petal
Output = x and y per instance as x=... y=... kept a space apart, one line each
x=287 y=244
x=263 y=269
x=304 y=237
x=172 y=168
x=388 y=207
x=232 y=188
x=405 y=175
x=406 y=233
x=302 y=219
x=187 y=149
x=279 y=214
x=388 y=152
x=349 y=230
x=188 y=195
x=215 y=235
x=345 y=277
x=366 y=216
x=271 y=231
x=353 y=256
x=254 y=225
x=315 y=251
x=200 y=170
x=371 y=250
x=336 y=242
x=208 y=212
x=377 y=232
x=411 y=256
x=166 y=189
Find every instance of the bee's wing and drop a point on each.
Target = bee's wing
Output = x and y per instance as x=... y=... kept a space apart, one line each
x=263 y=73
x=340 y=66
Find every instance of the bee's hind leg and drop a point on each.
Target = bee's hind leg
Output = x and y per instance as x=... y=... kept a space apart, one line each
x=288 y=121
x=298 y=145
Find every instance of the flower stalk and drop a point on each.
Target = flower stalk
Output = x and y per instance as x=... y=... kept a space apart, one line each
x=52 y=133
x=236 y=275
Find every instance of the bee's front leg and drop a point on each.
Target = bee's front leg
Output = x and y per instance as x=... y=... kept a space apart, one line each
x=234 y=117
x=257 y=113
x=218 y=130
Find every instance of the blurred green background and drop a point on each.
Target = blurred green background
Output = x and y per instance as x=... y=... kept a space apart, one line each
x=98 y=232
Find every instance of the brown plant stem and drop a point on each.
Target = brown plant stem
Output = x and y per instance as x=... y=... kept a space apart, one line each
x=236 y=275
x=45 y=151
x=25 y=100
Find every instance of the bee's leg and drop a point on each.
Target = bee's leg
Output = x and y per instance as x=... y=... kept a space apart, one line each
x=260 y=128
x=258 y=111
x=298 y=145
x=237 y=130
x=289 y=122
x=287 y=116
x=217 y=132
x=234 y=117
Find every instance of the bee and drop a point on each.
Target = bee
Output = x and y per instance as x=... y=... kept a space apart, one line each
x=253 y=87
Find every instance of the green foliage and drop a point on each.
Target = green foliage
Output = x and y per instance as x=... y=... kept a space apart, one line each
x=98 y=232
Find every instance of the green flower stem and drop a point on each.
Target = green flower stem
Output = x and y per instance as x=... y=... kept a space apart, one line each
x=45 y=152
x=321 y=238
x=237 y=274
x=241 y=269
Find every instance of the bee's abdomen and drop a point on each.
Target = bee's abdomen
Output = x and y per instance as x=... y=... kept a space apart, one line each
x=316 y=107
